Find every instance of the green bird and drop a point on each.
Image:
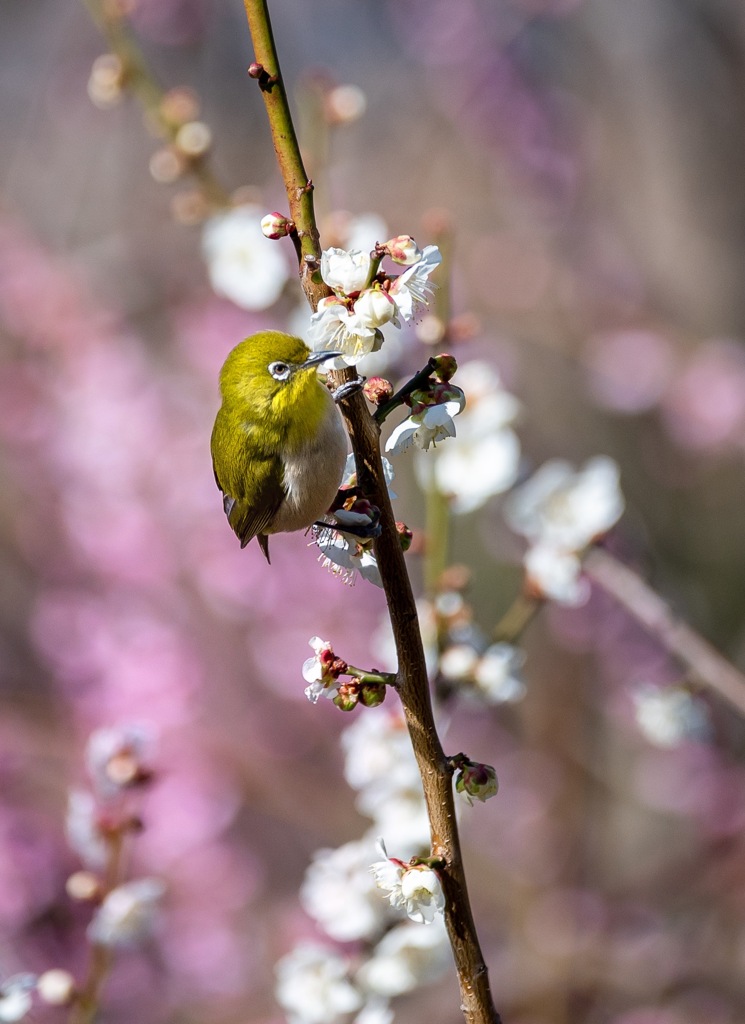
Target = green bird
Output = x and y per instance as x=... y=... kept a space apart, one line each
x=278 y=444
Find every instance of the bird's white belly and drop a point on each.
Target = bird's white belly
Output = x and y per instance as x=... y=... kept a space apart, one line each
x=312 y=477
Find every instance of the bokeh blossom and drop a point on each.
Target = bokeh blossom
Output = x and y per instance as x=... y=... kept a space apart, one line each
x=127 y=914
x=314 y=987
x=667 y=716
x=16 y=996
x=561 y=511
x=243 y=265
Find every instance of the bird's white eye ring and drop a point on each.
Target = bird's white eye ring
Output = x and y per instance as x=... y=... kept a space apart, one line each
x=280 y=371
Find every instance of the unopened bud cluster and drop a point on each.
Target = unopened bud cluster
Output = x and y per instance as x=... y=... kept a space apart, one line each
x=323 y=672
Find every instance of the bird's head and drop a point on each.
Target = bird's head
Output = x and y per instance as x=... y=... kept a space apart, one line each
x=271 y=370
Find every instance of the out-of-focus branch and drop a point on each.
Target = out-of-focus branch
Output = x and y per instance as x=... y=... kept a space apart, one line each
x=412 y=680
x=704 y=663
x=85 y=1007
x=139 y=78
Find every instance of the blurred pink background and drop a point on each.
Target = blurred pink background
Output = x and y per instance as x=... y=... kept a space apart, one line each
x=590 y=155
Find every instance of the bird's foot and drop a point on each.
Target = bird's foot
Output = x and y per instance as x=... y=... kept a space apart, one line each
x=363 y=525
x=351 y=387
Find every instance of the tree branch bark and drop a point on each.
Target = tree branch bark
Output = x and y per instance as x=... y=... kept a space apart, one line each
x=411 y=680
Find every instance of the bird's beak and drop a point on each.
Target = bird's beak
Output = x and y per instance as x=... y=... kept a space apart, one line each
x=318 y=357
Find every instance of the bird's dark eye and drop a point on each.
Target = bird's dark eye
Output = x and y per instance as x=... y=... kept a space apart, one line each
x=280 y=371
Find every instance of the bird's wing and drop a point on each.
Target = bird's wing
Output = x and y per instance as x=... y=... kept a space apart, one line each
x=267 y=494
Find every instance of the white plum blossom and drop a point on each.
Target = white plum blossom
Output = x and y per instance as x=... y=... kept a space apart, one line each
x=567 y=508
x=127 y=914
x=498 y=676
x=556 y=574
x=334 y=327
x=313 y=986
x=345 y=556
x=405 y=958
x=375 y=307
x=242 y=264
x=15 y=996
x=428 y=426
x=340 y=893
x=413 y=288
x=350 y=320
x=346 y=273
x=483 y=460
x=316 y=671
x=416 y=889
x=667 y=716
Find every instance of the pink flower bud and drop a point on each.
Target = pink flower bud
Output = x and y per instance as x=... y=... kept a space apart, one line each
x=377 y=390
x=276 y=225
x=445 y=367
x=255 y=70
x=404 y=250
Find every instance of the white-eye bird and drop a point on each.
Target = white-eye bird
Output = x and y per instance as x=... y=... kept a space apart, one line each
x=278 y=444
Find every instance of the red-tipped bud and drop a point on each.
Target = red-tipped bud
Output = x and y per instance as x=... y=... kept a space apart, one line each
x=444 y=366
x=404 y=250
x=377 y=390
x=276 y=225
x=255 y=70
x=348 y=696
x=372 y=694
x=405 y=535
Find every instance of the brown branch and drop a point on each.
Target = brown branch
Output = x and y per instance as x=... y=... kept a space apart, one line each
x=412 y=681
x=297 y=184
x=704 y=663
